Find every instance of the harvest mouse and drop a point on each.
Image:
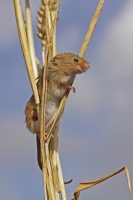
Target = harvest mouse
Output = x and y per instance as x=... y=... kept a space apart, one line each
x=62 y=70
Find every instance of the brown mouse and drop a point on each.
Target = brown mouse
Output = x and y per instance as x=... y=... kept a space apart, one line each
x=62 y=70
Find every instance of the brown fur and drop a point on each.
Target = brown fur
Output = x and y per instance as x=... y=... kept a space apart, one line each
x=61 y=73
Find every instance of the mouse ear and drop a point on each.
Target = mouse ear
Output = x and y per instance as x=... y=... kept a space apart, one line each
x=53 y=62
x=59 y=56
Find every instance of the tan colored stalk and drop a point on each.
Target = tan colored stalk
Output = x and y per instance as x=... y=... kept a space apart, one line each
x=49 y=34
x=54 y=143
x=60 y=175
x=91 y=28
x=50 y=171
x=54 y=146
x=44 y=147
x=30 y=39
x=25 y=49
x=54 y=15
x=54 y=44
x=43 y=55
x=53 y=159
x=48 y=17
x=46 y=187
x=42 y=136
x=54 y=51
x=38 y=64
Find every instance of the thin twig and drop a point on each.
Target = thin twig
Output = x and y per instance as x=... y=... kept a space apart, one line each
x=91 y=28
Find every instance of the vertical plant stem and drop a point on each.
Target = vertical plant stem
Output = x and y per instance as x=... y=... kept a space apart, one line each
x=24 y=46
x=43 y=55
x=54 y=44
x=60 y=175
x=53 y=146
x=44 y=147
x=30 y=39
x=42 y=137
x=50 y=171
x=54 y=19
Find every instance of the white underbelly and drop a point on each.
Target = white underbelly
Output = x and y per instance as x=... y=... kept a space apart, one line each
x=51 y=110
x=53 y=105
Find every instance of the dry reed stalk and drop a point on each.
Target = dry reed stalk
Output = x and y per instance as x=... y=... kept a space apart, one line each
x=61 y=180
x=53 y=4
x=54 y=154
x=25 y=48
x=91 y=29
x=47 y=33
x=50 y=190
x=38 y=64
x=53 y=159
x=48 y=36
x=30 y=39
x=51 y=181
x=45 y=165
x=46 y=182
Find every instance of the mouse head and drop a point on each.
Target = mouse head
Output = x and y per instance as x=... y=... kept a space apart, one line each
x=67 y=62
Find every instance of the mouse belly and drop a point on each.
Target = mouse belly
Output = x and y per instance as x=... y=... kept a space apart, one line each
x=32 y=118
x=50 y=113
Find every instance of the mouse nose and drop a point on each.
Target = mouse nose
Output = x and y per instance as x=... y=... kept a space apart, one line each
x=85 y=66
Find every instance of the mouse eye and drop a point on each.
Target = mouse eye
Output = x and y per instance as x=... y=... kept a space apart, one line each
x=75 y=59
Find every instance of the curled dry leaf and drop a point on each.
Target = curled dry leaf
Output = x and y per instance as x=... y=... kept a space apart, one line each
x=86 y=185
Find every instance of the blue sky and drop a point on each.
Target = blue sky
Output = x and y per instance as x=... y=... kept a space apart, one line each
x=96 y=133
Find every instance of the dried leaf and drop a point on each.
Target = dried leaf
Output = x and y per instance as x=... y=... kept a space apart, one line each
x=86 y=185
x=128 y=179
